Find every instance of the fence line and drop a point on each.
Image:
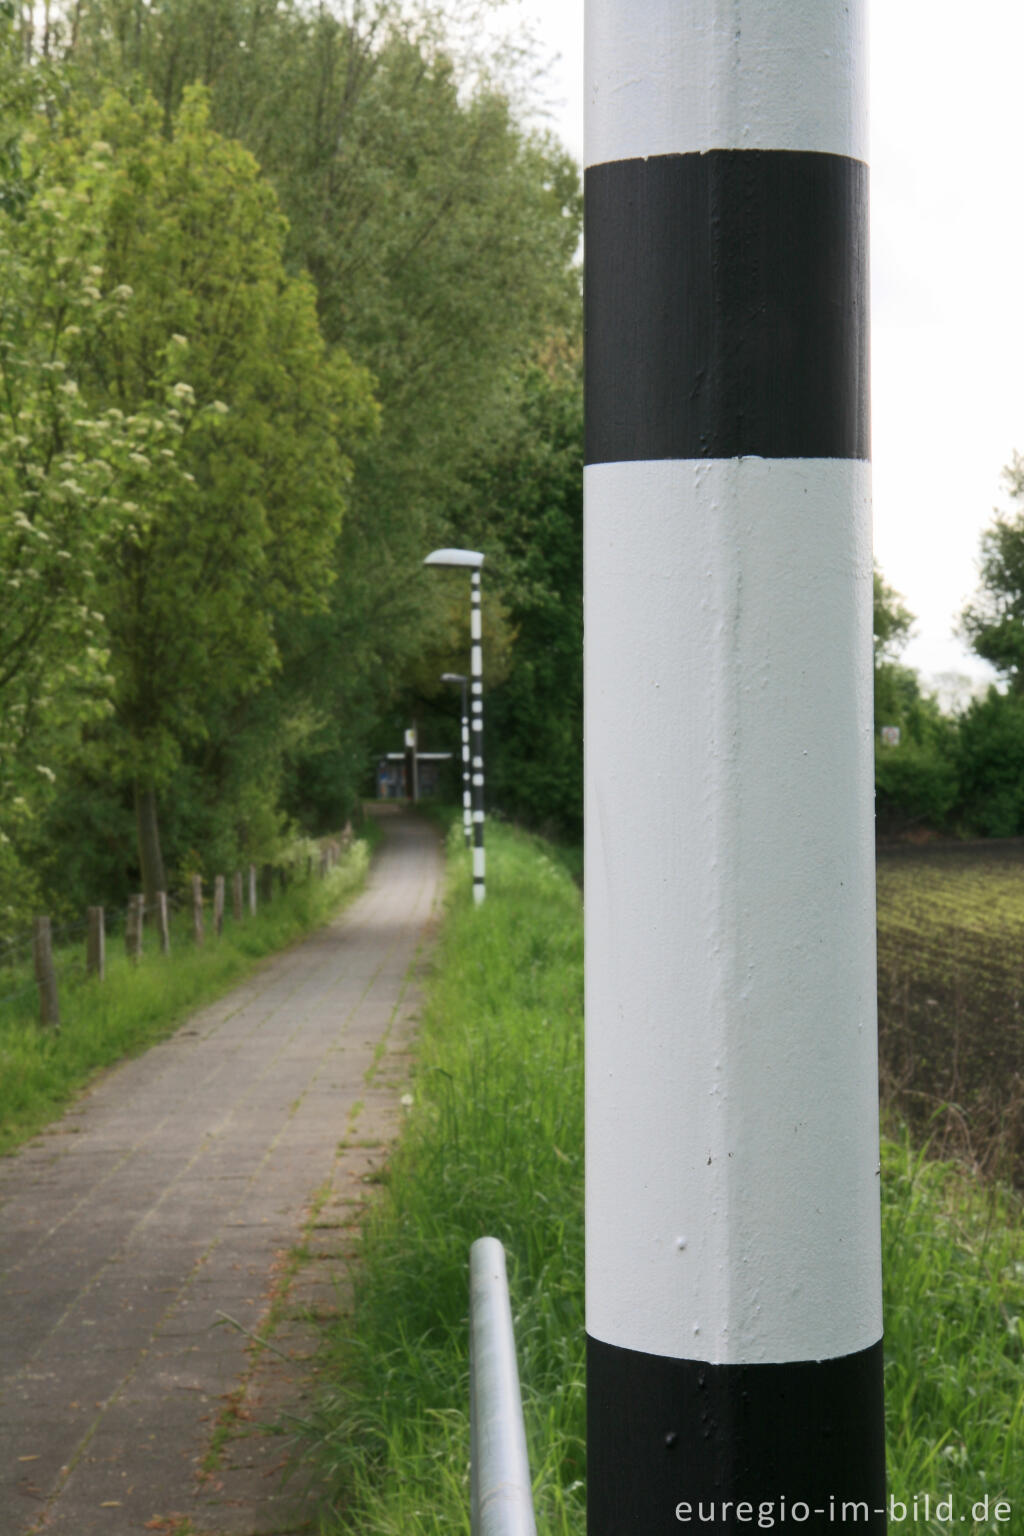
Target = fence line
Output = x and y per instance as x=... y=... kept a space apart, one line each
x=501 y=1496
x=37 y=948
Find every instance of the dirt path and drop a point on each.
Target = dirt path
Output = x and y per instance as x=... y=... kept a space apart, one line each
x=168 y=1200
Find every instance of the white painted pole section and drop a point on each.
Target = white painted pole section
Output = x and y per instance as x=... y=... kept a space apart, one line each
x=723 y=894
x=502 y=1497
x=669 y=77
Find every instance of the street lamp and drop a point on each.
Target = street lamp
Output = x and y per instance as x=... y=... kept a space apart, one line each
x=467 y=799
x=472 y=560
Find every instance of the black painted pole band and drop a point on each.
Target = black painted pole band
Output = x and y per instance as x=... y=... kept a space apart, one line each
x=727 y=307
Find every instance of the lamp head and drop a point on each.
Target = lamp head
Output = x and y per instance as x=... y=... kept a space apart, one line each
x=470 y=558
x=453 y=677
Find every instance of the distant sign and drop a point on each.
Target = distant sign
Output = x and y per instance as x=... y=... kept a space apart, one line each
x=410 y=738
x=890 y=735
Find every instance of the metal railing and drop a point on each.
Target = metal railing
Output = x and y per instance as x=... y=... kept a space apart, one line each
x=501 y=1498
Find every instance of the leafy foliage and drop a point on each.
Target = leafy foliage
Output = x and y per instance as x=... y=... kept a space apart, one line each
x=989 y=756
x=891 y=620
x=178 y=441
x=441 y=239
x=993 y=622
x=229 y=348
x=915 y=780
x=532 y=489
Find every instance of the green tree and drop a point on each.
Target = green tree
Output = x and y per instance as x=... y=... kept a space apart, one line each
x=993 y=622
x=70 y=473
x=989 y=751
x=891 y=620
x=896 y=686
x=916 y=780
x=529 y=494
x=441 y=238
x=239 y=516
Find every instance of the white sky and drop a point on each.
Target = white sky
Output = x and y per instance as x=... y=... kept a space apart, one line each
x=947 y=219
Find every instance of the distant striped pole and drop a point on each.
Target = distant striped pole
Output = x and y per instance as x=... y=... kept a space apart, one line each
x=476 y=731
x=733 y=1258
x=467 y=794
x=472 y=560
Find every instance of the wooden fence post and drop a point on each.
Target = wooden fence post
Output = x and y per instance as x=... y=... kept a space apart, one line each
x=133 y=927
x=96 y=944
x=218 y=905
x=197 y=908
x=324 y=860
x=236 y=896
x=267 y=883
x=46 y=976
x=252 y=889
x=163 y=922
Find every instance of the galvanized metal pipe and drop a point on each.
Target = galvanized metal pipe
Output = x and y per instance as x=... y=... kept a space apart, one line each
x=501 y=1495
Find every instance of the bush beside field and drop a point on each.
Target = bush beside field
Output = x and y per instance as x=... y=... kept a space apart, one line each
x=494 y=1146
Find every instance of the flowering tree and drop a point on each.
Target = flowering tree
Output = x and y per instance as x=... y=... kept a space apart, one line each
x=179 y=436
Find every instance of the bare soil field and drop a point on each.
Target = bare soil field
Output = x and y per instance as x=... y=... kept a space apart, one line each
x=950 y=997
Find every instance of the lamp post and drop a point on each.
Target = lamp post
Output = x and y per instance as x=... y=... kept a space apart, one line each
x=467 y=798
x=472 y=560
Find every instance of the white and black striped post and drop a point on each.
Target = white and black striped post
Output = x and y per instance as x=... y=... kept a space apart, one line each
x=733 y=1254
x=476 y=733
x=467 y=795
x=473 y=560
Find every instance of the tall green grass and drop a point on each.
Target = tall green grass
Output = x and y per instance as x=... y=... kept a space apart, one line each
x=137 y=1004
x=953 y=1282
x=493 y=1146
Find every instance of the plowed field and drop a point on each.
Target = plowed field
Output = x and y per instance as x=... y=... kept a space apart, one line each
x=951 y=994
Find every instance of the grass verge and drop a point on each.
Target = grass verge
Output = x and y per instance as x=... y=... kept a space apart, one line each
x=137 y=1004
x=493 y=1145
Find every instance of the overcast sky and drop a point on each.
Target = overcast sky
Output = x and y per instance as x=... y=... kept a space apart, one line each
x=947 y=134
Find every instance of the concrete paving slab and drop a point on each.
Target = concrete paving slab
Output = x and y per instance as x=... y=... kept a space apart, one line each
x=167 y=1200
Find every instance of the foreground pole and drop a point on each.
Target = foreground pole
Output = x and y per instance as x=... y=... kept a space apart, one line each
x=733 y=1257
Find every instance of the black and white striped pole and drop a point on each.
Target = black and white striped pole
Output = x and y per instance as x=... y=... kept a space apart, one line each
x=467 y=796
x=733 y=1254
x=472 y=560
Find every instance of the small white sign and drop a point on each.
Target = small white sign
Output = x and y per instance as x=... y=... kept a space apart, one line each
x=410 y=738
x=890 y=735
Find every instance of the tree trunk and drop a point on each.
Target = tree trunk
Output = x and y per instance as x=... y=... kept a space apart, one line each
x=151 y=859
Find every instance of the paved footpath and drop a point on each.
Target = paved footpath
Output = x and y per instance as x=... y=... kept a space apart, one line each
x=168 y=1200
